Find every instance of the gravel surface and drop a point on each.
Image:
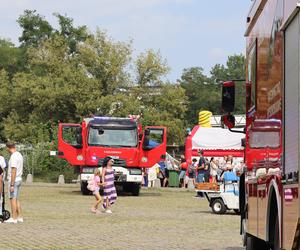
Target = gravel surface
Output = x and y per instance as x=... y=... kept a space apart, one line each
x=59 y=217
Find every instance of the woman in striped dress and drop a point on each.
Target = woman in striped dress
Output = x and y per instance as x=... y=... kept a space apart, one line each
x=110 y=193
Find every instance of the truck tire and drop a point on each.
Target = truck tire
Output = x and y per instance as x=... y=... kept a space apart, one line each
x=136 y=189
x=243 y=232
x=237 y=211
x=83 y=188
x=275 y=243
x=218 y=206
x=254 y=243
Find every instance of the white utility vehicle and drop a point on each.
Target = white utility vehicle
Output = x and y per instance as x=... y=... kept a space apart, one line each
x=227 y=197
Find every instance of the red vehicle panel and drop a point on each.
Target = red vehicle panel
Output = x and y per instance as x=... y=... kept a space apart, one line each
x=269 y=203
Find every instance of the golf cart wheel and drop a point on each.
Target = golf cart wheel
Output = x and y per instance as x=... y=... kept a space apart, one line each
x=6 y=215
x=237 y=211
x=218 y=206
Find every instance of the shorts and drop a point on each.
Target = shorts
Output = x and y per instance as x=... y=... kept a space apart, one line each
x=182 y=174
x=16 y=192
x=97 y=191
x=192 y=175
x=166 y=173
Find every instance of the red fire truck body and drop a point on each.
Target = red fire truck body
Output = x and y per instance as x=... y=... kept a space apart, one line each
x=85 y=146
x=269 y=189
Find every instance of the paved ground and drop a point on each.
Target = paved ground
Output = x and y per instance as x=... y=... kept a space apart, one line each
x=58 y=217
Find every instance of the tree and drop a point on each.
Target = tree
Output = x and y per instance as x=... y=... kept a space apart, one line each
x=204 y=93
x=235 y=69
x=59 y=86
x=35 y=28
x=105 y=61
x=73 y=35
x=150 y=67
x=11 y=58
x=201 y=94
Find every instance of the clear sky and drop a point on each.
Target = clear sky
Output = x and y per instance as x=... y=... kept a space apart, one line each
x=188 y=33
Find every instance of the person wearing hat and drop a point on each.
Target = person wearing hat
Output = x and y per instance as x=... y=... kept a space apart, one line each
x=15 y=172
x=108 y=178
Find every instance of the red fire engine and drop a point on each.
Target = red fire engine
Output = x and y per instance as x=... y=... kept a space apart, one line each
x=85 y=146
x=269 y=202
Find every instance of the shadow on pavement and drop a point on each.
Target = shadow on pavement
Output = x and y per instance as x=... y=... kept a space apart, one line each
x=234 y=248
x=210 y=212
x=150 y=194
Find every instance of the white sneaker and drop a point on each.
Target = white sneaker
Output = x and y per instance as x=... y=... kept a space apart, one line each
x=11 y=220
x=108 y=211
x=20 y=219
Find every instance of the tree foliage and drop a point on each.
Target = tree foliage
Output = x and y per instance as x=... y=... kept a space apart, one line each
x=150 y=68
x=68 y=73
x=204 y=93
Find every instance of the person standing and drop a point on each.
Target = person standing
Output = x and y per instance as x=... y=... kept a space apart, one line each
x=183 y=170
x=2 y=167
x=96 y=192
x=200 y=168
x=213 y=169
x=15 y=172
x=110 y=193
x=192 y=170
x=207 y=170
x=2 y=162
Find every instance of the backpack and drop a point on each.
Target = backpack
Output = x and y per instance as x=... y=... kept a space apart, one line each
x=91 y=185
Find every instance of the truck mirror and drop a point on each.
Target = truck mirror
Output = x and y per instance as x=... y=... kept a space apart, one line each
x=140 y=137
x=228 y=120
x=78 y=137
x=147 y=132
x=146 y=140
x=228 y=96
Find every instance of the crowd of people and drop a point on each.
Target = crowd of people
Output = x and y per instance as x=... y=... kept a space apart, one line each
x=208 y=170
x=201 y=169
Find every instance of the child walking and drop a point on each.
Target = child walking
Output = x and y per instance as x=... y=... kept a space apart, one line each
x=96 y=193
x=110 y=193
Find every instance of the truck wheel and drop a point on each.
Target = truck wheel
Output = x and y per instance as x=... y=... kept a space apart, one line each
x=83 y=188
x=275 y=243
x=243 y=231
x=136 y=190
x=254 y=243
x=237 y=211
x=218 y=206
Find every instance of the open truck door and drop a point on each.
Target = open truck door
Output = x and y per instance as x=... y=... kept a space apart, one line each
x=70 y=143
x=153 y=146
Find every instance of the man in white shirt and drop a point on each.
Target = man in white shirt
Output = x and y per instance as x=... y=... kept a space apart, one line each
x=2 y=167
x=15 y=172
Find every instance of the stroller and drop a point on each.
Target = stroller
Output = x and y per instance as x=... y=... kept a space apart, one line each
x=5 y=214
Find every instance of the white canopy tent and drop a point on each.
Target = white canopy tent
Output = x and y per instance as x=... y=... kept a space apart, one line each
x=216 y=138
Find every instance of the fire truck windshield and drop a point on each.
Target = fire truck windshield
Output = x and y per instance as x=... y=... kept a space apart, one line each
x=115 y=137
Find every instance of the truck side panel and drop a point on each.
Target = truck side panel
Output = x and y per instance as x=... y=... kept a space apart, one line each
x=273 y=66
x=291 y=138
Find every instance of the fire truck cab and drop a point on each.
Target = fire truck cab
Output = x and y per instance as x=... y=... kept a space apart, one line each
x=269 y=190
x=85 y=146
